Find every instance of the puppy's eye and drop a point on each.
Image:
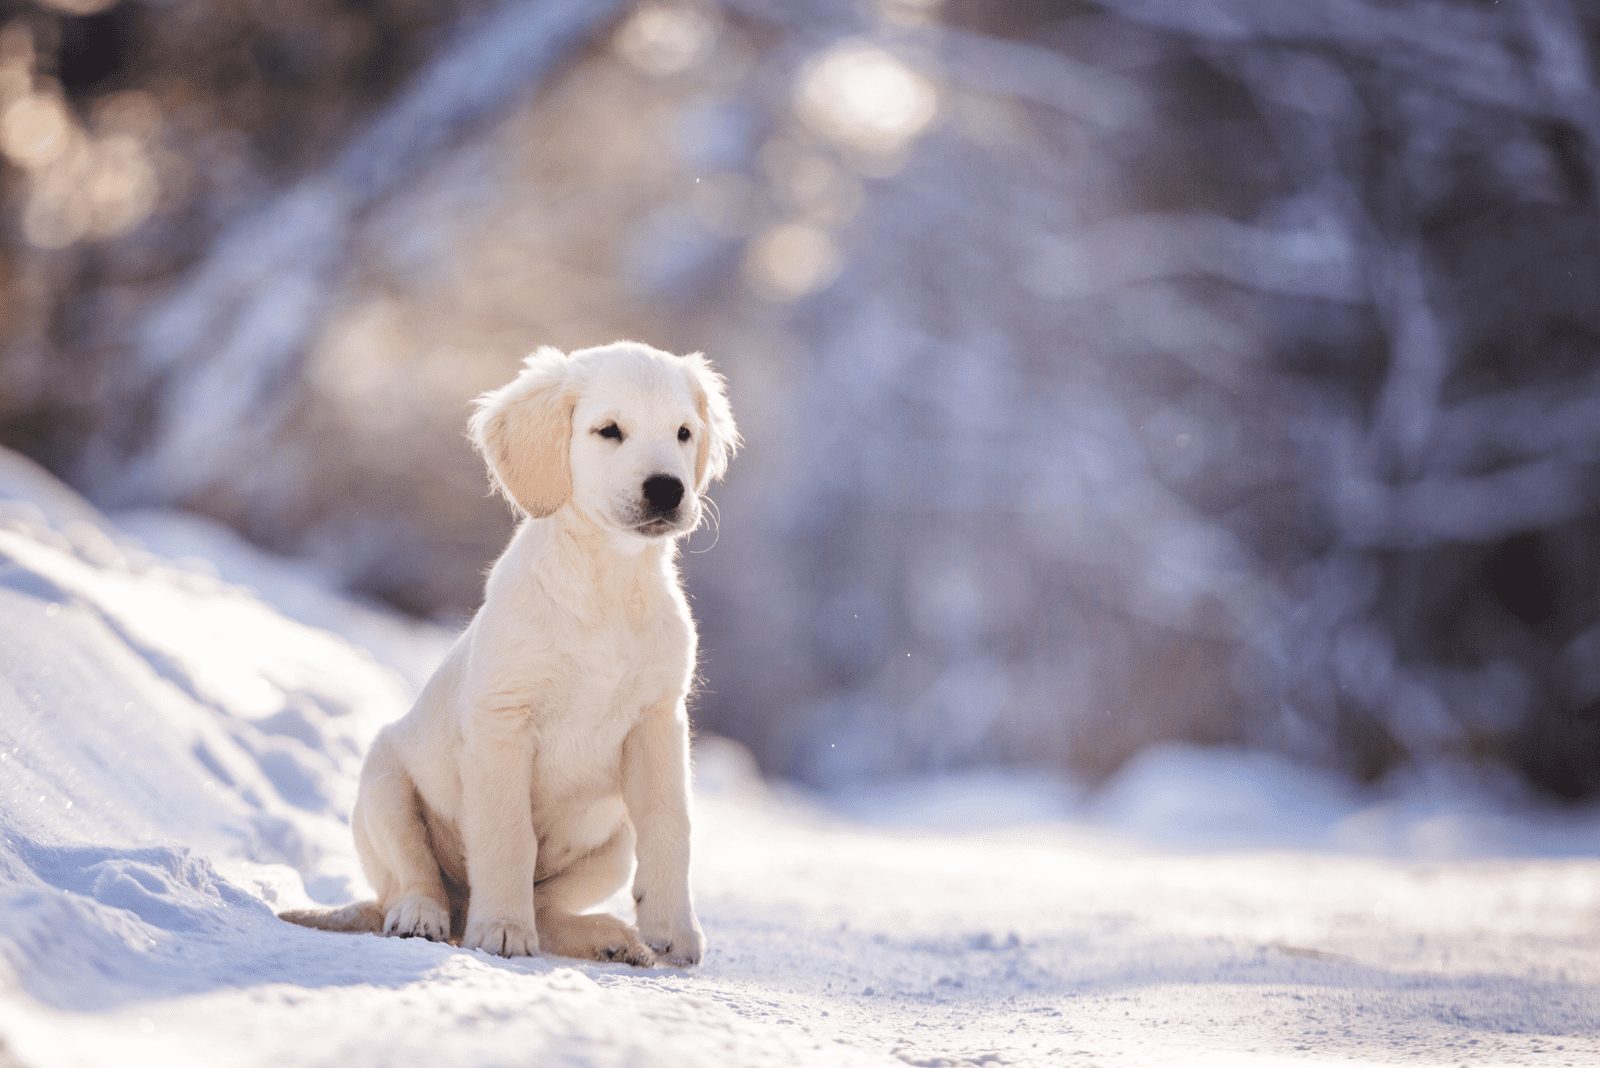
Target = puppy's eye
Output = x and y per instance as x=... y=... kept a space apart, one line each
x=610 y=430
x=683 y=433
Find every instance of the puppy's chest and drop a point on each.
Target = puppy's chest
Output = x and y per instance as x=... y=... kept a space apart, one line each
x=601 y=694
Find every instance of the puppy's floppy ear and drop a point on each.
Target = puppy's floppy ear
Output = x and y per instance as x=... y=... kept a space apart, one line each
x=524 y=430
x=720 y=438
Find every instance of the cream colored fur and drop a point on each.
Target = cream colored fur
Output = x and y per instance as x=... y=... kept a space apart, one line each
x=548 y=756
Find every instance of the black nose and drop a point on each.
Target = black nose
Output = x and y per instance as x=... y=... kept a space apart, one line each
x=663 y=492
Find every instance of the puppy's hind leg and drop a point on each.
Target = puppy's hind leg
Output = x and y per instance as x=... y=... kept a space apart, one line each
x=566 y=930
x=392 y=840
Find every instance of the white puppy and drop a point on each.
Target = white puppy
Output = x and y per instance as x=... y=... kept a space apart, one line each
x=551 y=747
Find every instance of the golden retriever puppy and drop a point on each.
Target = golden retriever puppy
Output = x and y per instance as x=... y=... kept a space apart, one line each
x=548 y=756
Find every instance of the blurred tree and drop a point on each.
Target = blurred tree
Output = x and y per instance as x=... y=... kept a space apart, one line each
x=1114 y=371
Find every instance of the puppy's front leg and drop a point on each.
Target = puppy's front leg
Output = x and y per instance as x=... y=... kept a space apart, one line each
x=655 y=784
x=497 y=831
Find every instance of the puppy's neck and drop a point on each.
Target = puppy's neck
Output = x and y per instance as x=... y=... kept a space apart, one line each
x=611 y=558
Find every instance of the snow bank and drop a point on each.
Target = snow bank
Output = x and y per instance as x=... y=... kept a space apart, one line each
x=157 y=726
x=177 y=759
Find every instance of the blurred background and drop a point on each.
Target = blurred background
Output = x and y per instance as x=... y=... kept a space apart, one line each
x=1112 y=372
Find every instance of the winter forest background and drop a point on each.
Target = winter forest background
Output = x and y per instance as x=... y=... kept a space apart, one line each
x=1111 y=372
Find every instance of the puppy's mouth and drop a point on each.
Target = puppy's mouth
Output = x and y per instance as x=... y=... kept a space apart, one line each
x=657 y=528
x=652 y=523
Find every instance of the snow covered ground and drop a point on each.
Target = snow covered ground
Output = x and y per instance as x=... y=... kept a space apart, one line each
x=177 y=756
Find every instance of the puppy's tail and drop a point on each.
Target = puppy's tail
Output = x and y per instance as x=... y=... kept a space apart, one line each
x=364 y=917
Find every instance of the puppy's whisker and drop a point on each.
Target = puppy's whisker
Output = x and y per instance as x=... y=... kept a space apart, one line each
x=715 y=513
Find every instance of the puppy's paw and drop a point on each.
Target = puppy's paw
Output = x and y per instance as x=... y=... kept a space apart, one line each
x=598 y=936
x=416 y=916
x=678 y=941
x=504 y=938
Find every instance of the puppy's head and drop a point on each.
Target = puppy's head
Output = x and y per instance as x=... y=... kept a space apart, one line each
x=627 y=435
